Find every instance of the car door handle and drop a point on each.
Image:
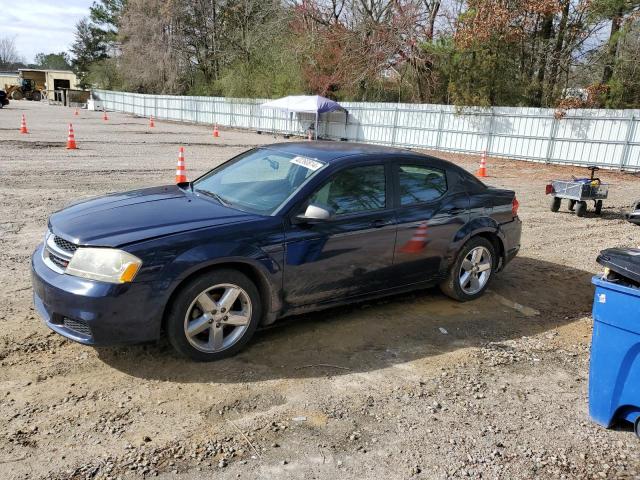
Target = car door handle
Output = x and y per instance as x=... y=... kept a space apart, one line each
x=456 y=211
x=379 y=223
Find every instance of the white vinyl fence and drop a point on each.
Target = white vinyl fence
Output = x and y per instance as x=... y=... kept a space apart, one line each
x=608 y=138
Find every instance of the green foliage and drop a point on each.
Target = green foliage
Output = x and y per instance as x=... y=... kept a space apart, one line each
x=485 y=75
x=88 y=47
x=271 y=73
x=53 y=61
x=105 y=74
x=105 y=15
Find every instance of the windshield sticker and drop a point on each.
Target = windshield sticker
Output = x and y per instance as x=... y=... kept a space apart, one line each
x=307 y=163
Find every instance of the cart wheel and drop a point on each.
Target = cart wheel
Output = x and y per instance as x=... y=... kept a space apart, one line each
x=598 y=207
x=581 y=209
x=637 y=427
x=555 y=204
x=572 y=205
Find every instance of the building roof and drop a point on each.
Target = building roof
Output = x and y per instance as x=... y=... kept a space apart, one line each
x=44 y=70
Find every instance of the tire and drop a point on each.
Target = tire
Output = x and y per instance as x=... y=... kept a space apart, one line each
x=453 y=285
x=37 y=96
x=581 y=209
x=572 y=205
x=636 y=428
x=201 y=307
x=555 y=204
x=598 y=207
x=16 y=95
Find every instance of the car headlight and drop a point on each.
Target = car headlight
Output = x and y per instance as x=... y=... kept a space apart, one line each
x=104 y=264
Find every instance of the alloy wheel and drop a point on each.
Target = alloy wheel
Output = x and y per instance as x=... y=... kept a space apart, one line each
x=475 y=270
x=217 y=318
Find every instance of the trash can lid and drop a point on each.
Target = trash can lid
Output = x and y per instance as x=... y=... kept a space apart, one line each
x=623 y=261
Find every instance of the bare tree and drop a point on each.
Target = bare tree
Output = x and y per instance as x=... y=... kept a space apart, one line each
x=9 y=56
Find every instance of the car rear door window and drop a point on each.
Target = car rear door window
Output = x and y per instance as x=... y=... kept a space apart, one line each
x=353 y=190
x=418 y=184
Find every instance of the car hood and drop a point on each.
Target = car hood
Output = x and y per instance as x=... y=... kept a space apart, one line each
x=129 y=217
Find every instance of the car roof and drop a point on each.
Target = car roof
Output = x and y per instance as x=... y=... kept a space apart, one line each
x=327 y=151
x=330 y=152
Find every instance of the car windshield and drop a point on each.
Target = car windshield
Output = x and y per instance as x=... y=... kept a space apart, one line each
x=258 y=181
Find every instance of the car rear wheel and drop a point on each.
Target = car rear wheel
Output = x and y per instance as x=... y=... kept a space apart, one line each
x=471 y=272
x=555 y=204
x=214 y=315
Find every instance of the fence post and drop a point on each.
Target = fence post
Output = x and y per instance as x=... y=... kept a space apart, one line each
x=551 y=141
x=440 y=125
x=273 y=121
x=490 y=132
x=627 y=143
x=232 y=113
x=395 y=126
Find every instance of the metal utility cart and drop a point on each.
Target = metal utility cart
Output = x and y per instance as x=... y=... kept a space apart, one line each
x=578 y=191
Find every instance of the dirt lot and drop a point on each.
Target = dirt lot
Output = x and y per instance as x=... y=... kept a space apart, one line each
x=370 y=391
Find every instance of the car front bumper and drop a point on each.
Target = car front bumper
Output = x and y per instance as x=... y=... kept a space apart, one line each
x=93 y=312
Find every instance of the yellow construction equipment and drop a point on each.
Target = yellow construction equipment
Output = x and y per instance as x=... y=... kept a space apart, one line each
x=27 y=89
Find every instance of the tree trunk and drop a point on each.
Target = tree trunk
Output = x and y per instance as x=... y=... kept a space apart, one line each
x=547 y=30
x=557 y=54
x=612 y=51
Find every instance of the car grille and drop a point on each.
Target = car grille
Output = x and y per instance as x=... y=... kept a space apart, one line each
x=64 y=244
x=57 y=252
x=58 y=261
x=78 y=326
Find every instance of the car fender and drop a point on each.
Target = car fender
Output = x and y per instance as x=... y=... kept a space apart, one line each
x=472 y=228
x=205 y=256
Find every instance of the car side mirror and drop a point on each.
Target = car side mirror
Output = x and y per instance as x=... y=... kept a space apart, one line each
x=314 y=213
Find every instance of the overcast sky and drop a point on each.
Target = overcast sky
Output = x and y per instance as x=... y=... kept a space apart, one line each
x=41 y=25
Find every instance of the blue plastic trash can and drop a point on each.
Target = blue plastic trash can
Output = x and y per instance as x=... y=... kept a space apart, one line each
x=614 y=374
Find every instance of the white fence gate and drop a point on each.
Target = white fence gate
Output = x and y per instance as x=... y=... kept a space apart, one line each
x=607 y=138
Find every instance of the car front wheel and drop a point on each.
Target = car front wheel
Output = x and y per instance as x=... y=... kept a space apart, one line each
x=472 y=270
x=214 y=315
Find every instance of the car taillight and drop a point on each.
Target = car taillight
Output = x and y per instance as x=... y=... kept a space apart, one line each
x=515 y=204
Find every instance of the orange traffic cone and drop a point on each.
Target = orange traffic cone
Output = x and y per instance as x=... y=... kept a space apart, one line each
x=23 y=125
x=151 y=122
x=216 y=132
x=71 y=139
x=418 y=241
x=482 y=171
x=181 y=171
x=105 y=117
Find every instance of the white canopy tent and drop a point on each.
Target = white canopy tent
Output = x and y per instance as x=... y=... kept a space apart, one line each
x=314 y=104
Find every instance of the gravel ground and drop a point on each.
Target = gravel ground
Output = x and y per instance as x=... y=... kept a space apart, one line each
x=377 y=390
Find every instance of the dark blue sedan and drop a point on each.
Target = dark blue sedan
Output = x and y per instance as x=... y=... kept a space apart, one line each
x=275 y=231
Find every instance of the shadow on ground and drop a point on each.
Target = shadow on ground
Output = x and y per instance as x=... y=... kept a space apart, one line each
x=529 y=297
